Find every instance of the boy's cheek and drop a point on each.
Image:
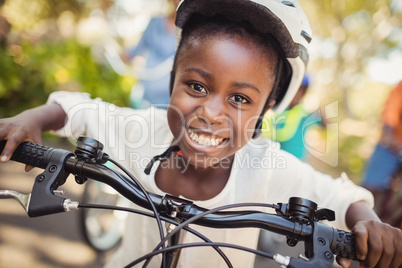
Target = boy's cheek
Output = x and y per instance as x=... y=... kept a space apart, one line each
x=247 y=129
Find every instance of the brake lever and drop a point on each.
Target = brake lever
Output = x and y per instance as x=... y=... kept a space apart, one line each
x=323 y=243
x=43 y=201
x=23 y=199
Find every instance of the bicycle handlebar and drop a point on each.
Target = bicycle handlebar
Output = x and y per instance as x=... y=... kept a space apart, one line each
x=298 y=220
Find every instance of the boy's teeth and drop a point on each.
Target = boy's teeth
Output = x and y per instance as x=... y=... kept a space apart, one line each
x=203 y=140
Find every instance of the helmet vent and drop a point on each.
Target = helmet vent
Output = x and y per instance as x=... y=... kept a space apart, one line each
x=288 y=3
x=306 y=36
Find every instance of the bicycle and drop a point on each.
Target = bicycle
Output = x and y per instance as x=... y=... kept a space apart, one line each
x=298 y=220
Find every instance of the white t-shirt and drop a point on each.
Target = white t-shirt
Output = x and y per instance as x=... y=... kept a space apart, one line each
x=261 y=173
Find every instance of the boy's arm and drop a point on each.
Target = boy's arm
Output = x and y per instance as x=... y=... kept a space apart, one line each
x=29 y=125
x=377 y=244
x=360 y=211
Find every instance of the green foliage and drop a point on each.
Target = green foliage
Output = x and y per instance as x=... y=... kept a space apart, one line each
x=350 y=160
x=30 y=72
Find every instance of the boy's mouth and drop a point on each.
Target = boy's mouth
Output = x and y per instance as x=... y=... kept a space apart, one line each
x=205 y=139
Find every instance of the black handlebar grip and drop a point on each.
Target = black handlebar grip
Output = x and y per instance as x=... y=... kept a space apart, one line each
x=343 y=244
x=30 y=153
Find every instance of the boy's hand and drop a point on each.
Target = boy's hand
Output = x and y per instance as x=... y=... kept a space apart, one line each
x=377 y=245
x=18 y=129
x=28 y=126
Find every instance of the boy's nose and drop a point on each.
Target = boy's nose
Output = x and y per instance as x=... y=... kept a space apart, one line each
x=212 y=111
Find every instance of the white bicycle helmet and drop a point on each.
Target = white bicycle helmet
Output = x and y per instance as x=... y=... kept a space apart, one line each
x=285 y=20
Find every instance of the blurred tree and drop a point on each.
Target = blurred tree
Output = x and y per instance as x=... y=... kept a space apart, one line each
x=39 y=58
x=41 y=11
x=347 y=35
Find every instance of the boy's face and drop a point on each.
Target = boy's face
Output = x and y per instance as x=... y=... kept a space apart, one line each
x=220 y=88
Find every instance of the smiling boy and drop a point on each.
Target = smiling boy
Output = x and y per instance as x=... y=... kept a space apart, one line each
x=236 y=59
x=219 y=104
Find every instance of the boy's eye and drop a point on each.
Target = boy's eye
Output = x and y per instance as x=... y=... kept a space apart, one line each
x=239 y=99
x=198 y=87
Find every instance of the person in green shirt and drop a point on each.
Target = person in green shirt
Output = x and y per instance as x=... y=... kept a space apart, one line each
x=290 y=126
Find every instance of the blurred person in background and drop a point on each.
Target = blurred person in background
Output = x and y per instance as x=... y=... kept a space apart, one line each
x=381 y=175
x=158 y=47
x=289 y=127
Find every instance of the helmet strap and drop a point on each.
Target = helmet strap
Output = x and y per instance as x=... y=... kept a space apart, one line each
x=275 y=88
x=162 y=157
